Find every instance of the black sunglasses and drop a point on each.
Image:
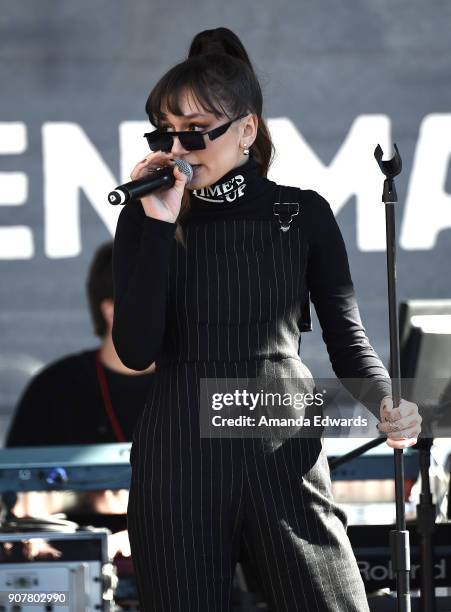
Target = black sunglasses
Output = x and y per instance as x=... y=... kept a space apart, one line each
x=160 y=140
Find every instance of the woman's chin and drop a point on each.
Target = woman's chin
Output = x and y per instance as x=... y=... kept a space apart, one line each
x=200 y=178
x=197 y=183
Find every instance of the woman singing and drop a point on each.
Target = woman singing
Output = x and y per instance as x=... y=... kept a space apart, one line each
x=208 y=285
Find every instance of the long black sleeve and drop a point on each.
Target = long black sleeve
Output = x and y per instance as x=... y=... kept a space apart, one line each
x=141 y=255
x=332 y=293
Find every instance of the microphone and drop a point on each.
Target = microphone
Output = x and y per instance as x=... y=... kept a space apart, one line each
x=161 y=177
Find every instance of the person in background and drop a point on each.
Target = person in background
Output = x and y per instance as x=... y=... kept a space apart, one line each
x=88 y=397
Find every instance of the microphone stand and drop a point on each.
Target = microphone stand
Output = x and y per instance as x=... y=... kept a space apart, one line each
x=399 y=537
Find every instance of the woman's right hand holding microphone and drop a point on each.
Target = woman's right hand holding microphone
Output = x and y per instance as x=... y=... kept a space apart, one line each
x=164 y=203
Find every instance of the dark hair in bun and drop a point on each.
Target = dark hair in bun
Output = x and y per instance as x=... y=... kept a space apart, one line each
x=219 y=40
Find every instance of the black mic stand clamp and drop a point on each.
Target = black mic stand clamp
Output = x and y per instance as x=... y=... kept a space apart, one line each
x=390 y=168
x=399 y=537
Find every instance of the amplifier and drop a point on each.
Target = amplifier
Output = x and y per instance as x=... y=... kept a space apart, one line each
x=51 y=571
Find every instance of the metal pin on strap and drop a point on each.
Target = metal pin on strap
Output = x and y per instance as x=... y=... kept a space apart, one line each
x=285 y=208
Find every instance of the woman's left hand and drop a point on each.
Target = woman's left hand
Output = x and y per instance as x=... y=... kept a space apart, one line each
x=402 y=424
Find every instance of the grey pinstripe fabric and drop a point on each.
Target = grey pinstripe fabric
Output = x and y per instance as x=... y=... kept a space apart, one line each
x=234 y=302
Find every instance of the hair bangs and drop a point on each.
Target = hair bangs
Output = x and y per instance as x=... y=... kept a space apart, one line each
x=195 y=78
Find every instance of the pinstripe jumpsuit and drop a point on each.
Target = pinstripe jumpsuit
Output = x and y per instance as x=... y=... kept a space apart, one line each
x=233 y=304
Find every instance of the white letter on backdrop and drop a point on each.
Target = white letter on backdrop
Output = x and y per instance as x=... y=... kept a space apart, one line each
x=16 y=241
x=71 y=164
x=428 y=206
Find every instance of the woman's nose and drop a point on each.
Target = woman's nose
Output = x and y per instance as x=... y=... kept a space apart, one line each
x=177 y=147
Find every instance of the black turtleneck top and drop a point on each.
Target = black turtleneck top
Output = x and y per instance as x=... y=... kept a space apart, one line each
x=142 y=254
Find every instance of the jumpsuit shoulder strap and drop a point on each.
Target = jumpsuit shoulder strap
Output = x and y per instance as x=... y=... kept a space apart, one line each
x=287 y=206
x=287 y=209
